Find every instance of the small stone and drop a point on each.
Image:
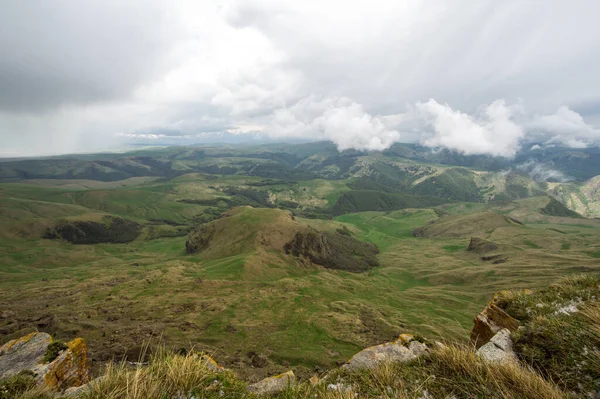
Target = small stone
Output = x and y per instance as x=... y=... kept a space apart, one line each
x=272 y=385
x=211 y=364
x=340 y=387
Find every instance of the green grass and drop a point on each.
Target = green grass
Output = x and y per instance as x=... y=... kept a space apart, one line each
x=384 y=228
x=295 y=313
x=454 y=248
x=531 y=244
x=594 y=254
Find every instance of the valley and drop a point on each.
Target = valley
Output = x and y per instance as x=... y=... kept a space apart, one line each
x=244 y=293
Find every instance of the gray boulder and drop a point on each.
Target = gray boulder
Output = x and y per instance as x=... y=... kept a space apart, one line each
x=69 y=368
x=23 y=353
x=499 y=349
x=404 y=349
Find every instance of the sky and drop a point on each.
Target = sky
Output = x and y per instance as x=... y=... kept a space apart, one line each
x=478 y=77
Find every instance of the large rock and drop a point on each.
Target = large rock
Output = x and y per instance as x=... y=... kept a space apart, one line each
x=499 y=349
x=490 y=321
x=69 y=369
x=404 y=349
x=272 y=385
x=23 y=353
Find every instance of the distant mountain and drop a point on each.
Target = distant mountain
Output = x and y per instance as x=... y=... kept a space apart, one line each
x=404 y=175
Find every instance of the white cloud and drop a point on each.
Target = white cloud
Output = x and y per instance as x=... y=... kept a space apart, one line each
x=78 y=73
x=494 y=132
x=565 y=127
x=340 y=120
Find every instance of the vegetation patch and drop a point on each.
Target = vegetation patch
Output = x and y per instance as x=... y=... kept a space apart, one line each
x=12 y=387
x=560 y=334
x=531 y=244
x=109 y=230
x=367 y=200
x=53 y=351
x=556 y=208
x=453 y=248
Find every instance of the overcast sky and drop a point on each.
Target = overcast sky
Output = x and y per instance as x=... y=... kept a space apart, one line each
x=475 y=76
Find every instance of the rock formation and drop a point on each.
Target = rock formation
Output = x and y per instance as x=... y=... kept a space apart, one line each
x=481 y=246
x=65 y=368
x=490 y=321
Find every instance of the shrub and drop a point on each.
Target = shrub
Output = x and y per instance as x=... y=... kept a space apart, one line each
x=53 y=351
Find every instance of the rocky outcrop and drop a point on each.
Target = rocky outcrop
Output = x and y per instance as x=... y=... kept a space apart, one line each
x=273 y=385
x=404 y=349
x=333 y=250
x=499 y=349
x=199 y=238
x=490 y=321
x=481 y=246
x=67 y=368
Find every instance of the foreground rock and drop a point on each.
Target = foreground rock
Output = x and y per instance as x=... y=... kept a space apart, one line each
x=404 y=349
x=68 y=367
x=490 y=321
x=275 y=384
x=499 y=349
x=23 y=353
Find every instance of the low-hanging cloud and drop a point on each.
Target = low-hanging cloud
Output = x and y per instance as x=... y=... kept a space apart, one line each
x=564 y=127
x=342 y=121
x=543 y=172
x=493 y=132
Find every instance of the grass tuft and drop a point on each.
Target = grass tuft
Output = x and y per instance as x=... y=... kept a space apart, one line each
x=53 y=351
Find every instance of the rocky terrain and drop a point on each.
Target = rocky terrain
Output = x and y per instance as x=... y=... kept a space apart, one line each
x=526 y=344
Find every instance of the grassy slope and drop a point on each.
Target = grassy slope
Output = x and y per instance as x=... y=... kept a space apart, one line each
x=239 y=303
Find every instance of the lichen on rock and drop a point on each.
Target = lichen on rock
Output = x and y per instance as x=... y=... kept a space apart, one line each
x=23 y=353
x=69 y=368
x=274 y=384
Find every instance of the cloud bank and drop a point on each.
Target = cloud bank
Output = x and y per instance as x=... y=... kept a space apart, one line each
x=488 y=78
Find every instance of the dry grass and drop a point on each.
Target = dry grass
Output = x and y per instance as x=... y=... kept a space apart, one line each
x=453 y=371
x=166 y=376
